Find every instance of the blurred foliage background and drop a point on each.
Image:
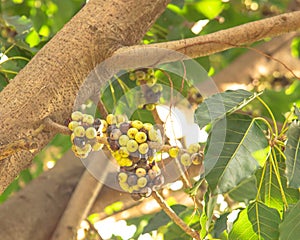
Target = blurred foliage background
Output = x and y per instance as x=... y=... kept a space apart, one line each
x=27 y=25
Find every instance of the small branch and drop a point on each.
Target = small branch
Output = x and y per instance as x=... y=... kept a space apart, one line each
x=156 y=117
x=174 y=216
x=51 y=125
x=187 y=184
x=11 y=148
x=98 y=236
x=26 y=143
x=101 y=108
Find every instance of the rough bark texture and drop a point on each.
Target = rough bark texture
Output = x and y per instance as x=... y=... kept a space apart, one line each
x=211 y=43
x=237 y=36
x=48 y=85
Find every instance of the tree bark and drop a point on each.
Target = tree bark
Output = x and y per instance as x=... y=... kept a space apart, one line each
x=48 y=85
x=239 y=36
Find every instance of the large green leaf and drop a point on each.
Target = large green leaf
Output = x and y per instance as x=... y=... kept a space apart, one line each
x=217 y=106
x=271 y=193
x=245 y=191
x=257 y=221
x=289 y=229
x=292 y=153
x=245 y=149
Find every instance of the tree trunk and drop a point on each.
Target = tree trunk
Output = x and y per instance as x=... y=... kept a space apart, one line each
x=48 y=85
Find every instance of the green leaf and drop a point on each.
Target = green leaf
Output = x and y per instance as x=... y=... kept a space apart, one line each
x=278 y=101
x=203 y=223
x=237 y=160
x=217 y=106
x=140 y=222
x=292 y=152
x=26 y=176
x=13 y=187
x=289 y=229
x=113 y=208
x=295 y=47
x=210 y=8
x=245 y=191
x=33 y=38
x=173 y=232
x=210 y=203
x=162 y=218
x=21 y=24
x=220 y=226
x=179 y=3
x=270 y=192
x=206 y=216
x=257 y=221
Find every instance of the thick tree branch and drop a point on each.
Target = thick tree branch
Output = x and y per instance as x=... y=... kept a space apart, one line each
x=239 y=36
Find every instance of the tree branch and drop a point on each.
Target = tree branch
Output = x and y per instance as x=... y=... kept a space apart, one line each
x=174 y=216
x=33 y=212
x=208 y=44
x=78 y=207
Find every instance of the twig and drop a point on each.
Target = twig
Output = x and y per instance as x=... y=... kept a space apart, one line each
x=26 y=143
x=169 y=211
x=21 y=144
x=51 y=125
x=156 y=117
x=101 y=108
x=187 y=184
x=98 y=236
